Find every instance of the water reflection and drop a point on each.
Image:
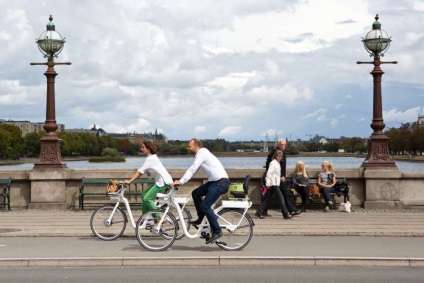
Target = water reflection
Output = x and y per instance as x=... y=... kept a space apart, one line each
x=228 y=162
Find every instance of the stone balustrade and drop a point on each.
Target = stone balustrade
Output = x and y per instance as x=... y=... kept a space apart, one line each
x=58 y=188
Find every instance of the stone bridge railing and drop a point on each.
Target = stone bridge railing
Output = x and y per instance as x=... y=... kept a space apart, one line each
x=58 y=188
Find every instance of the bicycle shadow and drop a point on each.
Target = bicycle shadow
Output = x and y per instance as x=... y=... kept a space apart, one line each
x=174 y=247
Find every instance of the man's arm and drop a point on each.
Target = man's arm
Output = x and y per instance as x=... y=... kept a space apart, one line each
x=193 y=169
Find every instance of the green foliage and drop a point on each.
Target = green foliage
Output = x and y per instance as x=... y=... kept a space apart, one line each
x=353 y=145
x=107 y=159
x=408 y=139
x=11 y=141
x=106 y=141
x=172 y=148
x=331 y=147
x=32 y=143
x=291 y=149
x=110 y=152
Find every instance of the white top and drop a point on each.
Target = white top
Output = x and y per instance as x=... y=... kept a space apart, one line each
x=273 y=175
x=210 y=165
x=155 y=169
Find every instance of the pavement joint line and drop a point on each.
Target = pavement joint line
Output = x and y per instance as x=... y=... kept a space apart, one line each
x=207 y=260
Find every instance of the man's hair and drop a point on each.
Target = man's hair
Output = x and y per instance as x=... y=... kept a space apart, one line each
x=282 y=140
x=151 y=146
x=197 y=143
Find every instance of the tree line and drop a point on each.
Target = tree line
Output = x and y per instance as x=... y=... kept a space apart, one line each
x=407 y=139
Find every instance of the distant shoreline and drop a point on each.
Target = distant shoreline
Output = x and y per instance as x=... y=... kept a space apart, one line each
x=409 y=158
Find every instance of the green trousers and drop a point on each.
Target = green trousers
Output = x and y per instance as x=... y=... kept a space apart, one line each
x=148 y=197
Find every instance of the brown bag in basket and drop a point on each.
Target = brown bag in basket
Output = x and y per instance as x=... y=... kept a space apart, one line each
x=314 y=192
x=112 y=186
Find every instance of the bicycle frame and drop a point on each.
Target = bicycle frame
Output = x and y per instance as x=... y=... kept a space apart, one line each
x=120 y=198
x=172 y=200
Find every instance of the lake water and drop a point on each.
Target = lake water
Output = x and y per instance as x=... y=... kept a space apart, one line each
x=228 y=162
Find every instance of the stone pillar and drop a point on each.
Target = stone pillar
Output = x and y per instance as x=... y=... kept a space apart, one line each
x=48 y=189
x=382 y=188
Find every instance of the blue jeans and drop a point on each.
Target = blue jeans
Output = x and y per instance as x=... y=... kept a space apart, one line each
x=211 y=191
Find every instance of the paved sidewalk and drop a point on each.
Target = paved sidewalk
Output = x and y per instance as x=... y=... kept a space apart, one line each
x=31 y=238
x=360 y=222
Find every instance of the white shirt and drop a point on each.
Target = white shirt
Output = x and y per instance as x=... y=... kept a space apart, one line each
x=210 y=165
x=155 y=169
x=273 y=175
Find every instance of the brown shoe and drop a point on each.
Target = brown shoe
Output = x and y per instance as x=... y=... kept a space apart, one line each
x=214 y=238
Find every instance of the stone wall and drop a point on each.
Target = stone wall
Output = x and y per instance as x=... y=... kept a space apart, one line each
x=58 y=189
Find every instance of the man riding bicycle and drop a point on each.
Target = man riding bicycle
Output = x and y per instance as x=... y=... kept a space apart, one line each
x=217 y=184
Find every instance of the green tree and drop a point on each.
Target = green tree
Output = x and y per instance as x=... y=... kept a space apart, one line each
x=331 y=147
x=106 y=141
x=12 y=143
x=32 y=143
x=110 y=152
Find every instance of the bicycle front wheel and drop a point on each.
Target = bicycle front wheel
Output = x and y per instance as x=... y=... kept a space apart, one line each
x=187 y=218
x=154 y=236
x=236 y=236
x=103 y=228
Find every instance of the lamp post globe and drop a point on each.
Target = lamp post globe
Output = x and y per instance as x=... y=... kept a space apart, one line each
x=50 y=44
x=377 y=42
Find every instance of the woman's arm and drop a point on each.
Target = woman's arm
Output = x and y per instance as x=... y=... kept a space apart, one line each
x=320 y=184
x=136 y=175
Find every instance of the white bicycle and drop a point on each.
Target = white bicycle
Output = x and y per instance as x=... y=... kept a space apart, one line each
x=108 y=222
x=156 y=230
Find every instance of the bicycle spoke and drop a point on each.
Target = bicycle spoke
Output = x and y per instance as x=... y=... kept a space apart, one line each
x=154 y=237
x=104 y=231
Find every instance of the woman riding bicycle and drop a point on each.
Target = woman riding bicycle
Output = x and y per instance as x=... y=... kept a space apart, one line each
x=154 y=168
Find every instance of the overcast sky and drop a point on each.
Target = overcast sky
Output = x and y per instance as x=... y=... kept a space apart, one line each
x=232 y=69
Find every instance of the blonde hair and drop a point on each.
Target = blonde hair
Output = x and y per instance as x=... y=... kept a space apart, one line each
x=298 y=168
x=329 y=165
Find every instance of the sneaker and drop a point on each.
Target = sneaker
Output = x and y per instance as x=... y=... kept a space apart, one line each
x=296 y=212
x=287 y=216
x=327 y=209
x=214 y=238
x=259 y=215
x=330 y=203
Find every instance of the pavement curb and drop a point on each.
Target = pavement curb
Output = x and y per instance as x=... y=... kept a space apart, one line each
x=211 y=261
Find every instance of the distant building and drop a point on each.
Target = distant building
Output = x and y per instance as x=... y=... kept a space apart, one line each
x=93 y=131
x=135 y=138
x=420 y=121
x=27 y=127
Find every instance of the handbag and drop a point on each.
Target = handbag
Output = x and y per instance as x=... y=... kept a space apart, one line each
x=263 y=190
x=345 y=207
x=314 y=192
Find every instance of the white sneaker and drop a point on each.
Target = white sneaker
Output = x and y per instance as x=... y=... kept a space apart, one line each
x=330 y=202
x=327 y=209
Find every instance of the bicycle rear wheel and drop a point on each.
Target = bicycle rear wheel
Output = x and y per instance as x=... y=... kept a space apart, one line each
x=105 y=230
x=235 y=237
x=153 y=237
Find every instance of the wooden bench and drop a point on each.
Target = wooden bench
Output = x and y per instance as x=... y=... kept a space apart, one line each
x=135 y=189
x=340 y=189
x=5 y=193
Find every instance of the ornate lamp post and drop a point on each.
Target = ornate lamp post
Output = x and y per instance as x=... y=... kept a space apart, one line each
x=50 y=44
x=377 y=42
